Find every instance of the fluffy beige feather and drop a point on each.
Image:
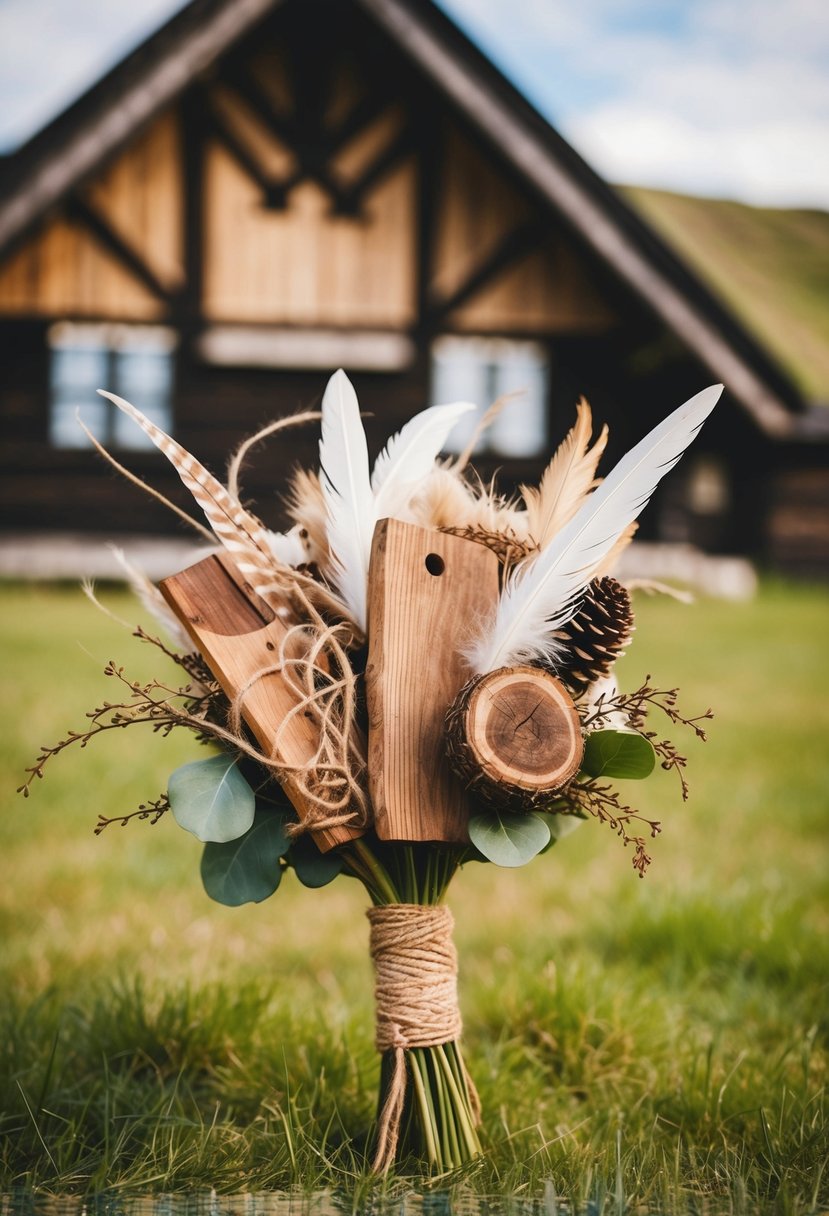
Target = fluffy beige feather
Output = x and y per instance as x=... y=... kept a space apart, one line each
x=446 y=500
x=306 y=508
x=568 y=478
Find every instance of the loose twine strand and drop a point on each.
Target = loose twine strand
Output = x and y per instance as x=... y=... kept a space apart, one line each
x=416 y=999
x=313 y=663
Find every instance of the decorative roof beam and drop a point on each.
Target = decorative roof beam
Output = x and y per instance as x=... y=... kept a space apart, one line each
x=515 y=245
x=90 y=217
x=351 y=197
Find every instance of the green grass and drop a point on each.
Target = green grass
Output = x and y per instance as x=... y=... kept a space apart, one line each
x=770 y=265
x=659 y=1042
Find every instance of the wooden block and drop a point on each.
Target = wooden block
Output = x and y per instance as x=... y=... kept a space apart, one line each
x=428 y=592
x=238 y=634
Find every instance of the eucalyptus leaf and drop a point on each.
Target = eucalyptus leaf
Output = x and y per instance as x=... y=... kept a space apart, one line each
x=618 y=753
x=247 y=870
x=508 y=839
x=211 y=799
x=562 y=826
x=313 y=868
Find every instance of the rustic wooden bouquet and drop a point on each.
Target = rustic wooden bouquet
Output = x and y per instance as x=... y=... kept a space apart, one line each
x=417 y=675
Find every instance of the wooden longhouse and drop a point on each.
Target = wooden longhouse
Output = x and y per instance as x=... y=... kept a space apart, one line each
x=268 y=189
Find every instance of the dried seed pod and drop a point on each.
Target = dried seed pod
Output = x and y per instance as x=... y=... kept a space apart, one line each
x=514 y=737
x=596 y=636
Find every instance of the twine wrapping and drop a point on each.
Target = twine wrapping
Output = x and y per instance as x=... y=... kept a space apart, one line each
x=332 y=780
x=416 y=998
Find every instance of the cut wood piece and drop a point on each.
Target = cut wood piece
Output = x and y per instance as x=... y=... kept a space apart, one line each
x=514 y=737
x=238 y=635
x=428 y=592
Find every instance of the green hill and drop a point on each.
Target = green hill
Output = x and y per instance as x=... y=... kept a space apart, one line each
x=770 y=265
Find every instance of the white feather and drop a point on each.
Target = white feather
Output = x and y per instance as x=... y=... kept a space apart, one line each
x=409 y=456
x=290 y=548
x=544 y=591
x=347 y=491
x=355 y=502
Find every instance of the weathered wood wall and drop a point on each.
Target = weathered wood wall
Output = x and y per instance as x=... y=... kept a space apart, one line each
x=67 y=270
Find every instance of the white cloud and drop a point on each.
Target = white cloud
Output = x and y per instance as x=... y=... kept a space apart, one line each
x=769 y=164
x=714 y=96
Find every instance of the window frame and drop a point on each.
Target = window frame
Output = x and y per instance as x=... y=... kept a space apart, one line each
x=489 y=371
x=113 y=343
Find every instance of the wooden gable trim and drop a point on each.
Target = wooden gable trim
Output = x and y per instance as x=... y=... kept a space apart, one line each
x=515 y=245
x=217 y=127
x=92 y=218
x=194 y=40
x=351 y=197
x=531 y=156
x=312 y=161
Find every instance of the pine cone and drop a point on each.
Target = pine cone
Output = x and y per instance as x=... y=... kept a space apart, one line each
x=595 y=637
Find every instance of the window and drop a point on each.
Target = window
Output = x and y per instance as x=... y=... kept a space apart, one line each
x=484 y=369
x=133 y=361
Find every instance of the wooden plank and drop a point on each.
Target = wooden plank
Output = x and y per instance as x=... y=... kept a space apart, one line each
x=239 y=635
x=427 y=592
x=139 y=196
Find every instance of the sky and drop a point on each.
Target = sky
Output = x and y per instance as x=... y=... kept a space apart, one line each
x=728 y=98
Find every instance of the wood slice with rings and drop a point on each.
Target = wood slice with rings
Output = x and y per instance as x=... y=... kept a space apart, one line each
x=514 y=737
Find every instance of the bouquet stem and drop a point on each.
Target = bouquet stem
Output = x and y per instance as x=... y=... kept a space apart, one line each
x=427 y=1104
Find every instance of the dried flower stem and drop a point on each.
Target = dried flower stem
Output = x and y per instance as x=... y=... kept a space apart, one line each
x=635 y=706
x=147 y=810
x=605 y=804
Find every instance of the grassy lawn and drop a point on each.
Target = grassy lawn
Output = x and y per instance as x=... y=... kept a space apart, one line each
x=634 y=1042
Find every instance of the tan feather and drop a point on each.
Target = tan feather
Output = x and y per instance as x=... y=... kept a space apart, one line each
x=241 y=533
x=152 y=599
x=306 y=508
x=613 y=556
x=568 y=478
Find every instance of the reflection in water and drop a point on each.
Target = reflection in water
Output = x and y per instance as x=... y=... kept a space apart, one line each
x=284 y=1203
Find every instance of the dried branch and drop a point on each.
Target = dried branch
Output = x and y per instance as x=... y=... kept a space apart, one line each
x=192 y=663
x=506 y=544
x=636 y=705
x=152 y=811
x=159 y=705
x=604 y=804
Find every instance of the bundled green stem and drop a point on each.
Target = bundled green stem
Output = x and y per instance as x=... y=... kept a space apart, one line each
x=440 y=1106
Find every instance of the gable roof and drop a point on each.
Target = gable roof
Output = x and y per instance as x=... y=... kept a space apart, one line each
x=100 y=122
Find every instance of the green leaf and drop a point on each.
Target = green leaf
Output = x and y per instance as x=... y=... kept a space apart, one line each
x=247 y=870
x=313 y=868
x=618 y=753
x=211 y=799
x=508 y=839
x=562 y=826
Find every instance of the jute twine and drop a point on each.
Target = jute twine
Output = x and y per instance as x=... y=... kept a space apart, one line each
x=313 y=663
x=416 y=998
